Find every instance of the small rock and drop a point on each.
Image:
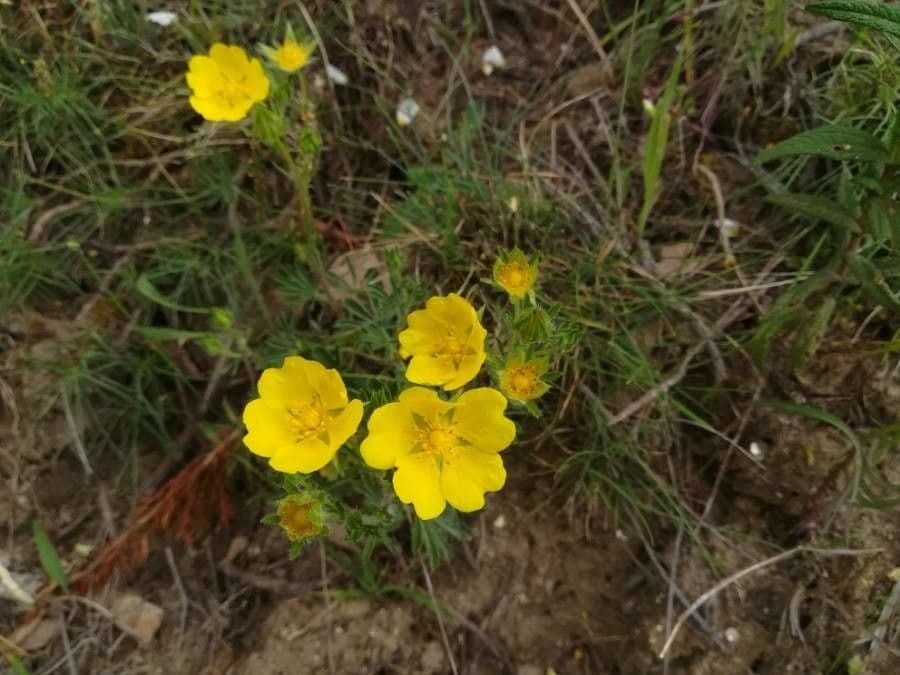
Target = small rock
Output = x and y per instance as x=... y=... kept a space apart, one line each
x=137 y=616
x=35 y=635
x=529 y=669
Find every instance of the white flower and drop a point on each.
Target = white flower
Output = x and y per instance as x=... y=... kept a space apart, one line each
x=162 y=17
x=336 y=75
x=407 y=110
x=491 y=59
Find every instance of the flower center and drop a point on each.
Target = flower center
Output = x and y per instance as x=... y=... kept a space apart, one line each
x=514 y=275
x=455 y=347
x=439 y=441
x=523 y=380
x=231 y=90
x=306 y=420
x=289 y=56
x=295 y=519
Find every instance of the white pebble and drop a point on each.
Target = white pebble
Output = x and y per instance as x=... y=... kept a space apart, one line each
x=491 y=59
x=731 y=635
x=336 y=75
x=407 y=110
x=756 y=450
x=500 y=522
x=162 y=18
x=730 y=228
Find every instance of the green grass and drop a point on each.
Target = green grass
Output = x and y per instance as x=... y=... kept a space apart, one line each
x=166 y=250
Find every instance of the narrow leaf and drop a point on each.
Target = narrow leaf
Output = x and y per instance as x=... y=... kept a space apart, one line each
x=163 y=334
x=817 y=208
x=832 y=140
x=811 y=332
x=655 y=145
x=146 y=288
x=18 y=668
x=866 y=13
x=49 y=558
x=872 y=282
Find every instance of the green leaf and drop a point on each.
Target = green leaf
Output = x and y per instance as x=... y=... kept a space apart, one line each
x=883 y=226
x=146 y=288
x=655 y=145
x=435 y=538
x=49 y=558
x=867 y=13
x=817 y=208
x=832 y=140
x=872 y=282
x=811 y=332
x=163 y=334
x=18 y=668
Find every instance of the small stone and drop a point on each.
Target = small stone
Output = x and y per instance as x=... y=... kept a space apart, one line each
x=137 y=616
x=162 y=18
x=407 y=110
x=336 y=75
x=500 y=522
x=731 y=635
x=491 y=59
x=35 y=635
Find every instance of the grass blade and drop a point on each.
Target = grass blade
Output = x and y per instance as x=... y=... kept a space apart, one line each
x=49 y=558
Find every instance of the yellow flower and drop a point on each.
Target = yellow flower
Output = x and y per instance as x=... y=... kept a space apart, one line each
x=300 y=517
x=291 y=55
x=445 y=341
x=515 y=274
x=302 y=416
x=226 y=83
x=520 y=380
x=442 y=451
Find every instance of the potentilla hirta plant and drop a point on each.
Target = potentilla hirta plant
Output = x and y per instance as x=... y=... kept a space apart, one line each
x=441 y=444
x=271 y=104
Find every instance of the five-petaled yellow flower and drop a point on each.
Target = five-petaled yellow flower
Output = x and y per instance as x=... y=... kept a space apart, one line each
x=443 y=451
x=226 y=83
x=515 y=274
x=520 y=380
x=445 y=341
x=292 y=55
x=302 y=416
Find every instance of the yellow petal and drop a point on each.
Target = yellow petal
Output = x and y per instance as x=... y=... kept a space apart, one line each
x=230 y=58
x=421 y=340
x=345 y=425
x=467 y=474
x=257 y=82
x=284 y=387
x=424 y=402
x=479 y=419
x=426 y=321
x=307 y=456
x=203 y=75
x=431 y=370
x=417 y=481
x=325 y=382
x=267 y=429
x=392 y=432
x=468 y=368
x=451 y=310
x=209 y=108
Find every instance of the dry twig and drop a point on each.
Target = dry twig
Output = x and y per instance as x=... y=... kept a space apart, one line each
x=768 y=562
